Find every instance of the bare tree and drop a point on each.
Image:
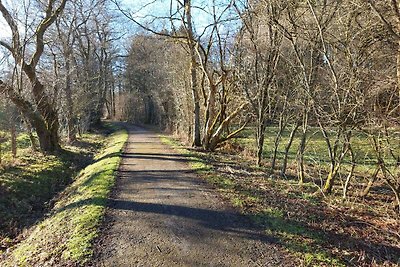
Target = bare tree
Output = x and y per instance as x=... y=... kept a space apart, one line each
x=41 y=113
x=264 y=41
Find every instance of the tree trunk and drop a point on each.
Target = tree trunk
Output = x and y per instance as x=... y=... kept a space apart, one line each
x=336 y=160
x=44 y=119
x=353 y=166
x=330 y=180
x=46 y=128
x=300 y=156
x=34 y=146
x=113 y=104
x=48 y=138
x=287 y=148
x=371 y=182
x=302 y=147
x=396 y=192
x=193 y=75
x=70 y=105
x=209 y=116
x=47 y=133
x=398 y=67
x=216 y=138
x=260 y=139
x=282 y=126
x=196 y=112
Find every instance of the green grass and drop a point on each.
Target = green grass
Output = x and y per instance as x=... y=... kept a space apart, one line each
x=316 y=150
x=294 y=237
x=29 y=182
x=306 y=244
x=23 y=143
x=65 y=237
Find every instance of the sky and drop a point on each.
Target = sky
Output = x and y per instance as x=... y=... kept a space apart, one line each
x=145 y=11
x=161 y=8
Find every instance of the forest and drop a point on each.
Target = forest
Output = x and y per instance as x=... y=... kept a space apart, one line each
x=288 y=109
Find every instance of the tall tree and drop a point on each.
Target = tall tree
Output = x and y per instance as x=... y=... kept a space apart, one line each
x=41 y=113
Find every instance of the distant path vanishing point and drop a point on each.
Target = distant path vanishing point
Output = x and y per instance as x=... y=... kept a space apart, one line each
x=162 y=214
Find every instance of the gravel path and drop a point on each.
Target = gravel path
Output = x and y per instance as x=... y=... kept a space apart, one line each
x=162 y=214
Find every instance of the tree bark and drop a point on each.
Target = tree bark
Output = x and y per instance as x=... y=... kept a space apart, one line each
x=70 y=104
x=398 y=67
x=336 y=161
x=216 y=138
x=193 y=74
x=330 y=180
x=47 y=130
x=32 y=138
x=302 y=147
x=348 y=178
x=282 y=126
x=209 y=115
x=260 y=138
x=42 y=115
x=48 y=133
x=287 y=148
x=371 y=182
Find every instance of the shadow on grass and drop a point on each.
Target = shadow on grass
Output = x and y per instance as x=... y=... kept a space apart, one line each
x=85 y=144
x=302 y=238
x=27 y=190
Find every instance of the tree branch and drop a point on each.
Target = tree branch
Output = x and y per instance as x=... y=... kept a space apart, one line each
x=15 y=49
x=388 y=25
x=41 y=29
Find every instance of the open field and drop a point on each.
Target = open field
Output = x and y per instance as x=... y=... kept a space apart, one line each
x=317 y=161
x=316 y=153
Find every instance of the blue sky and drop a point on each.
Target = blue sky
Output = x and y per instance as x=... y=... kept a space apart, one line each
x=146 y=10
x=143 y=10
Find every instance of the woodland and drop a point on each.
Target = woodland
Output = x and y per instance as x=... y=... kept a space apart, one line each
x=293 y=105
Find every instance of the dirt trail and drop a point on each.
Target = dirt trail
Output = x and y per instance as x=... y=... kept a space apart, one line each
x=162 y=214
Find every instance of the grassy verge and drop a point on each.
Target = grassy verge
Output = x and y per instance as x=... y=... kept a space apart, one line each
x=65 y=236
x=297 y=239
x=29 y=182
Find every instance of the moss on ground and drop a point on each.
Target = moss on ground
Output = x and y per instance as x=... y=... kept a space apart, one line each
x=65 y=236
